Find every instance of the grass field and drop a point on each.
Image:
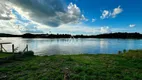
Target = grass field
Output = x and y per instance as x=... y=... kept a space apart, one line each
x=3 y=55
x=125 y=66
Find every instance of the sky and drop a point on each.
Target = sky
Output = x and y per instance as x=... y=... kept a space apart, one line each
x=70 y=16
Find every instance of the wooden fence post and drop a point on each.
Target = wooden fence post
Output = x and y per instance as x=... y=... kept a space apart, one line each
x=27 y=48
x=1 y=48
x=12 y=48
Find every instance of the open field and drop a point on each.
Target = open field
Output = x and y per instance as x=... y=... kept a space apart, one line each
x=125 y=66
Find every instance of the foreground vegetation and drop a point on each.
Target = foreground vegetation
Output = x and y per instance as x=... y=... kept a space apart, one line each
x=125 y=66
x=3 y=55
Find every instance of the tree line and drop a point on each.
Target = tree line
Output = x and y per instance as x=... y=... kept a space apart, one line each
x=106 y=35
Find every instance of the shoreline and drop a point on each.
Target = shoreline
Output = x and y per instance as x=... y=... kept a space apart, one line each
x=118 y=35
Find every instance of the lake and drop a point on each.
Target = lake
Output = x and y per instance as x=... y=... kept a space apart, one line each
x=73 y=46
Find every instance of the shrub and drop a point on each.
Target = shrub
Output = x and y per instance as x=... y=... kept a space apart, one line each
x=29 y=53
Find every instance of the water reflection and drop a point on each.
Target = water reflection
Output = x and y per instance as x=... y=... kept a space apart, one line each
x=73 y=46
x=103 y=45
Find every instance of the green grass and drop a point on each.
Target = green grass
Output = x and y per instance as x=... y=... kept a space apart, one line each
x=80 y=67
x=3 y=55
x=133 y=54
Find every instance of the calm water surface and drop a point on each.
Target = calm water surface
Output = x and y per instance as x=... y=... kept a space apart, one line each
x=74 y=46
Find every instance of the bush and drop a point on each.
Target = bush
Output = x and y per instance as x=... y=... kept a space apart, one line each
x=133 y=54
x=29 y=53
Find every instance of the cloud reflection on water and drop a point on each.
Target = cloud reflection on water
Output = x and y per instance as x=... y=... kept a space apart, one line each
x=73 y=46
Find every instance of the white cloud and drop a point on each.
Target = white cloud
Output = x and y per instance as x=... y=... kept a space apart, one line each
x=105 y=29
x=113 y=14
x=93 y=20
x=116 y=11
x=72 y=29
x=72 y=15
x=105 y=14
x=8 y=27
x=75 y=29
x=78 y=29
x=84 y=18
x=132 y=25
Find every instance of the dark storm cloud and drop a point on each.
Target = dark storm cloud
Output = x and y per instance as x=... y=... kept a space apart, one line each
x=49 y=12
x=5 y=18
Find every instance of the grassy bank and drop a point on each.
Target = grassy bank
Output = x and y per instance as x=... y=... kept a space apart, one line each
x=125 y=66
x=3 y=55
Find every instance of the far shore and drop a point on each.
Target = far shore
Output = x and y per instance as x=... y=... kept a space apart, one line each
x=118 y=35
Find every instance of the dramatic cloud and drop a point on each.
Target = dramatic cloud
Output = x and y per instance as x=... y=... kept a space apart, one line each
x=12 y=22
x=113 y=14
x=30 y=15
x=132 y=25
x=105 y=29
x=47 y=12
x=5 y=11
